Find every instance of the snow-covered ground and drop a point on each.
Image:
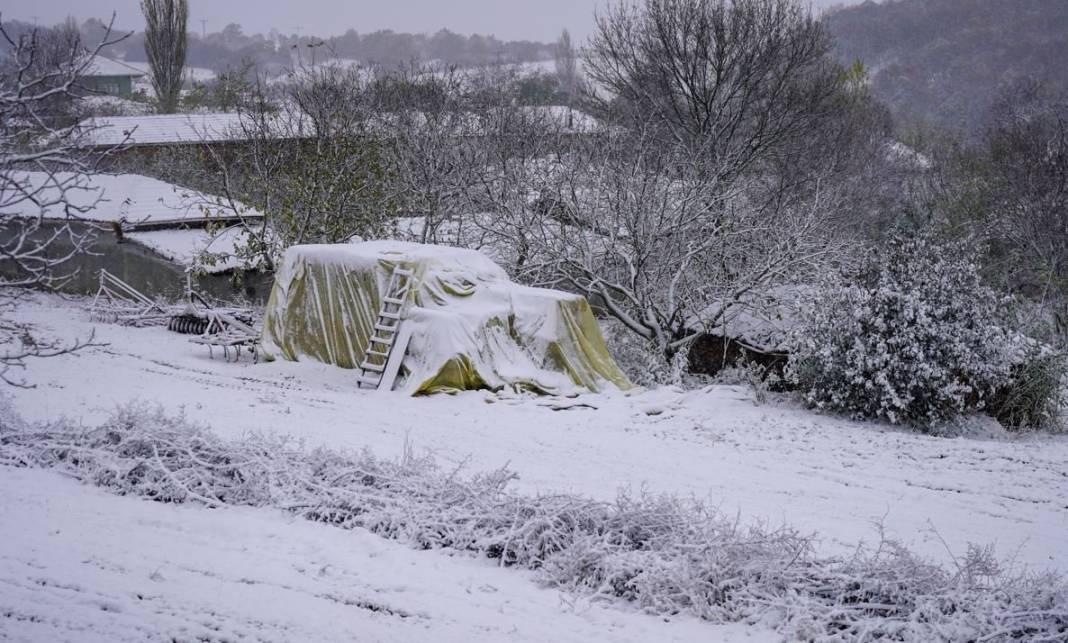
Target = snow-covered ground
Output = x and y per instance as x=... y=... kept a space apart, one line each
x=776 y=463
x=79 y=564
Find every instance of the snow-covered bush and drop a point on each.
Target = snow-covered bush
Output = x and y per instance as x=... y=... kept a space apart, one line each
x=911 y=337
x=761 y=380
x=644 y=363
x=664 y=554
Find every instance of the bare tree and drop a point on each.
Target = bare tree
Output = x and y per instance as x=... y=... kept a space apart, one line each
x=308 y=162
x=165 y=43
x=1019 y=176
x=44 y=173
x=567 y=72
x=635 y=226
x=427 y=122
x=721 y=172
x=738 y=80
x=517 y=154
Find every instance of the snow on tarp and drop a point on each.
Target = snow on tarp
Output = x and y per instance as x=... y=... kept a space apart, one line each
x=472 y=327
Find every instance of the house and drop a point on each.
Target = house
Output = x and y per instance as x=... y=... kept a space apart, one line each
x=109 y=76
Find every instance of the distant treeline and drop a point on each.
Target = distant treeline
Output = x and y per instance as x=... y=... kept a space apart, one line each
x=944 y=60
x=936 y=61
x=232 y=47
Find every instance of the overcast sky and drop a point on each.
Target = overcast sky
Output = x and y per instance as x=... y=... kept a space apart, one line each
x=506 y=19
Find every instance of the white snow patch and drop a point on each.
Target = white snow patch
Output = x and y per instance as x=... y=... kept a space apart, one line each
x=129 y=198
x=212 y=252
x=776 y=462
x=165 y=129
x=77 y=563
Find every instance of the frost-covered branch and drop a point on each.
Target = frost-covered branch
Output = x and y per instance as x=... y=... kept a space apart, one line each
x=44 y=176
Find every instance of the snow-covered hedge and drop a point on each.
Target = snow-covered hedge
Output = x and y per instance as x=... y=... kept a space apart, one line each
x=912 y=337
x=664 y=554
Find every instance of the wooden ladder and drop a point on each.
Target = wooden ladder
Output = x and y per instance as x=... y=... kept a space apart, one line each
x=389 y=337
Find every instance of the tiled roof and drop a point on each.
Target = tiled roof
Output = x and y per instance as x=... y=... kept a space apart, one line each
x=168 y=129
x=131 y=198
x=161 y=129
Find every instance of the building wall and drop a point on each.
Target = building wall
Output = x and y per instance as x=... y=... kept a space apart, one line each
x=113 y=85
x=145 y=270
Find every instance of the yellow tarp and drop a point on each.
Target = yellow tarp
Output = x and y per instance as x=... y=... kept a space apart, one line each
x=472 y=327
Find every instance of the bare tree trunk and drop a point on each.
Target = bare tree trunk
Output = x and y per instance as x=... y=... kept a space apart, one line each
x=567 y=71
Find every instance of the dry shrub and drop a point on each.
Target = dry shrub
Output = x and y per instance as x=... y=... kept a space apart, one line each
x=664 y=554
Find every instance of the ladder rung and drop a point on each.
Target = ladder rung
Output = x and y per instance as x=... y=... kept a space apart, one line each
x=392 y=300
x=375 y=339
x=371 y=351
x=386 y=329
x=369 y=381
x=388 y=315
x=376 y=368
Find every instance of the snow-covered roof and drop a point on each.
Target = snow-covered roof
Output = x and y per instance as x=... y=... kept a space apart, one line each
x=130 y=198
x=198 y=127
x=211 y=252
x=163 y=129
x=760 y=320
x=101 y=66
x=303 y=73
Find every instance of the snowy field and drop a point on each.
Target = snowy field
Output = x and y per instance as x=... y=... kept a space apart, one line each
x=89 y=558
x=79 y=564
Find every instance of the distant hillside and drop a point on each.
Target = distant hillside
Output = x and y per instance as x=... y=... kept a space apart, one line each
x=944 y=60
